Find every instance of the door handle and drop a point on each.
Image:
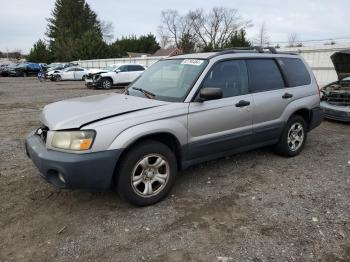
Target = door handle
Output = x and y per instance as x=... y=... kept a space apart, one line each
x=242 y=103
x=287 y=95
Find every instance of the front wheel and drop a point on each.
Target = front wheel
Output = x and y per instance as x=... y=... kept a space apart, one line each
x=106 y=83
x=146 y=173
x=293 y=137
x=58 y=78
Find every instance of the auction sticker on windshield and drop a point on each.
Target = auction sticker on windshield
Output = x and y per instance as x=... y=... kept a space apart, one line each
x=195 y=62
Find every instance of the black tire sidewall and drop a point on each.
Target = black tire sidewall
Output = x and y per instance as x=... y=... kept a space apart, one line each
x=124 y=172
x=282 y=147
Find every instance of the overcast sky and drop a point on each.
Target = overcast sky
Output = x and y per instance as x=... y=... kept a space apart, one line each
x=23 y=22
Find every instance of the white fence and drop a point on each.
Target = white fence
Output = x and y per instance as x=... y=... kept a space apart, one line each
x=318 y=57
x=102 y=63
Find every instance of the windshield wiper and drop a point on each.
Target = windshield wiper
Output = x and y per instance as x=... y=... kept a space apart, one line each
x=147 y=94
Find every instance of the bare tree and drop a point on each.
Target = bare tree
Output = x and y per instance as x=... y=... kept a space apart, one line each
x=164 y=38
x=209 y=30
x=174 y=27
x=215 y=28
x=107 y=29
x=292 y=39
x=263 y=37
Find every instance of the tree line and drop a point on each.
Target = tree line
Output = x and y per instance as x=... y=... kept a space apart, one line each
x=74 y=32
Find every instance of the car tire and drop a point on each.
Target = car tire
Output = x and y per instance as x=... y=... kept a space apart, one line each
x=83 y=78
x=106 y=83
x=58 y=78
x=293 y=137
x=146 y=173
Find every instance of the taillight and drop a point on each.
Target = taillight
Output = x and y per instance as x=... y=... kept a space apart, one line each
x=319 y=90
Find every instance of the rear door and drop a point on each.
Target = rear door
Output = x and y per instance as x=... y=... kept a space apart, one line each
x=222 y=125
x=69 y=74
x=135 y=71
x=78 y=73
x=267 y=86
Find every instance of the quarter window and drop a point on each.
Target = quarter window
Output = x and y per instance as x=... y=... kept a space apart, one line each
x=296 y=72
x=231 y=76
x=264 y=75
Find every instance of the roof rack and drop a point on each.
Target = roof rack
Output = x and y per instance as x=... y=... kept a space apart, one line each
x=255 y=49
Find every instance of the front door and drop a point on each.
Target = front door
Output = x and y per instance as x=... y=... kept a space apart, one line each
x=222 y=125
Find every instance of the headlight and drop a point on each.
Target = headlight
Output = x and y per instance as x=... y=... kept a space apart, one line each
x=73 y=140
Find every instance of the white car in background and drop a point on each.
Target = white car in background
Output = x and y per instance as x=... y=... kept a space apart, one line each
x=70 y=73
x=119 y=75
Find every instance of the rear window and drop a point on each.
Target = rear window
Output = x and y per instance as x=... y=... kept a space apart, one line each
x=296 y=72
x=264 y=75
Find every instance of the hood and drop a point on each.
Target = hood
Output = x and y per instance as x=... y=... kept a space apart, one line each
x=97 y=71
x=74 y=113
x=341 y=62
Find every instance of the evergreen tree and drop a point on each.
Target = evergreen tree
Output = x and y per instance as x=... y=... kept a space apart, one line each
x=72 y=21
x=143 y=44
x=238 y=40
x=39 y=53
x=187 y=44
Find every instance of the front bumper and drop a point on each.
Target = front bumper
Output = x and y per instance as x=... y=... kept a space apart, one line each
x=338 y=113
x=93 y=171
x=92 y=83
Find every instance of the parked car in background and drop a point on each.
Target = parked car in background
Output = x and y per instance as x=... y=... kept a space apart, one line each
x=119 y=75
x=181 y=111
x=5 y=71
x=109 y=68
x=335 y=97
x=3 y=67
x=70 y=73
x=25 y=69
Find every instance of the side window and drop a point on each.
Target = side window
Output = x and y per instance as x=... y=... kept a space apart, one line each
x=136 y=68
x=132 y=68
x=231 y=76
x=296 y=71
x=123 y=68
x=264 y=75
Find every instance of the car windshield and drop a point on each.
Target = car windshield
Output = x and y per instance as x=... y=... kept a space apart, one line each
x=169 y=80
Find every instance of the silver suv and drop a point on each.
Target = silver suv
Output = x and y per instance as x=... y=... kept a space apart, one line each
x=183 y=110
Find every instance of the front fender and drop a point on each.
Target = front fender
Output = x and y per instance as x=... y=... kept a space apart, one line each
x=176 y=127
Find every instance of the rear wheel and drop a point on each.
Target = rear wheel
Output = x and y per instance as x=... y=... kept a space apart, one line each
x=293 y=137
x=106 y=83
x=146 y=173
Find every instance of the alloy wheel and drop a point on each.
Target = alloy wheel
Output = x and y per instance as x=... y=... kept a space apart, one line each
x=150 y=175
x=295 y=136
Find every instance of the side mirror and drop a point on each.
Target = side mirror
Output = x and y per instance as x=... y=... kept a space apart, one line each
x=210 y=93
x=117 y=71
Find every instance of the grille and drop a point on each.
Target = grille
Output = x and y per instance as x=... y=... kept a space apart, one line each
x=338 y=98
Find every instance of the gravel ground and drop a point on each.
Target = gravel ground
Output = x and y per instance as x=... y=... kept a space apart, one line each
x=254 y=206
